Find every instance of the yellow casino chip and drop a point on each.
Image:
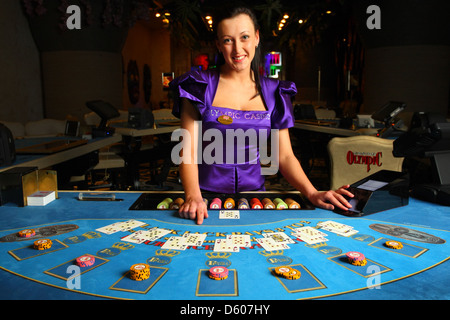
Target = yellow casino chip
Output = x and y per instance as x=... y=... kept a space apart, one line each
x=394 y=244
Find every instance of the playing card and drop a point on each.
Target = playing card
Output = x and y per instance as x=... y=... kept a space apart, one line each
x=229 y=214
x=176 y=243
x=269 y=244
x=240 y=240
x=279 y=237
x=111 y=228
x=194 y=239
x=225 y=245
x=155 y=233
x=130 y=224
x=338 y=228
x=136 y=237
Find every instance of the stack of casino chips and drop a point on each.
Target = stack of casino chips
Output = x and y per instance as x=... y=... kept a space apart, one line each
x=27 y=233
x=287 y=272
x=139 y=271
x=292 y=204
x=255 y=203
x=165 y=203
x=85 y=261
x=218 y=273
x=176 y=204
x=230 y=204
x=216 y=203
x=267 y=203
x=394 y=244
x=279 y=204
x=243 y=204
x=356 y=258
x=43 y=244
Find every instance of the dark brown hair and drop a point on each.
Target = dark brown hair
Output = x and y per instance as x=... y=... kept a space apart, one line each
x=228 y=12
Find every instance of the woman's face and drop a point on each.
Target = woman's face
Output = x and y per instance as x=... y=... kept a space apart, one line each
x=237 y=40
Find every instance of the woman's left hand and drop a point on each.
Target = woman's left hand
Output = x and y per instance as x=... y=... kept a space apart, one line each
x=332 y=198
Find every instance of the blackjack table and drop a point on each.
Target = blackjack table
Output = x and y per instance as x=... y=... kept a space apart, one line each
x=106 y=228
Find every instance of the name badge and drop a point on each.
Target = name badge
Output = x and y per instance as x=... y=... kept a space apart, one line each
x=224 y=119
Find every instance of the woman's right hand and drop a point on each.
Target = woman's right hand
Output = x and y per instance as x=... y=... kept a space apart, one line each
x=194 y=208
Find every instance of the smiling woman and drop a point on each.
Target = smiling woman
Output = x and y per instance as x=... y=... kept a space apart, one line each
x=263 y=104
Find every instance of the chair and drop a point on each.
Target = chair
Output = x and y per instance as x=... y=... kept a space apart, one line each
x=354 y=158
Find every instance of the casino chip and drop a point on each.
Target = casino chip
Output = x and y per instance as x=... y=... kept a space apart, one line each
x=394 y=244
x=27 y=233
x=164 y=204
x=243 y=204
x=216 y=203
x=267 y=203
x=85 y=261
x=292 y=204
x=287 y=272
x=43 y=244
x=218 y=273
x=176 y=204
x=280 y=204
x=356 y=258
x=229 y=203
x=139 y=271
x=255 y=203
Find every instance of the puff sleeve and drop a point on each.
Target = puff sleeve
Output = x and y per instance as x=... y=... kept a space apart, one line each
x=283 y=114
x=192 y=85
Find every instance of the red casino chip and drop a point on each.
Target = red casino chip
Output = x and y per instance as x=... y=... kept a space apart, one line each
x=85 y=261
x=255 y=203
x=218 y=273
x=355 y=256
x=216 y=203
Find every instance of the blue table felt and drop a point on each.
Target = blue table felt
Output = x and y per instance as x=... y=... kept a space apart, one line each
x=419 y=271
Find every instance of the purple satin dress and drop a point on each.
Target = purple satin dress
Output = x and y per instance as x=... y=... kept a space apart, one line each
x=240 y=168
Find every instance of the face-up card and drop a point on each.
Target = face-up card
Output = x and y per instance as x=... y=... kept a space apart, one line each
x=111 y=228
x=310 y=235
x=156 y=233
x=269 y=244
x=176 y=243
x=194 y=239
x=136 y=237
x=338 y=228
x=130 y=224
x=229 y=214
x=240 y=240
x=279 y=237
x=225 y=245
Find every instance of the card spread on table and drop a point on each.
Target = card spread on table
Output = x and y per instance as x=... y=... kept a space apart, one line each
x=111 y=228
x=225 y=245
x=337 y=228
x=141 y=236
x=309 y=235
x=240 y=240
x=120 y=226
x=229 y=214
x=194 y=239
x=176 y=243
x=279 y=237
x=269 y=244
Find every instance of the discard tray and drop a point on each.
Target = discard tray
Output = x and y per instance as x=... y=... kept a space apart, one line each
x=150 y=201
